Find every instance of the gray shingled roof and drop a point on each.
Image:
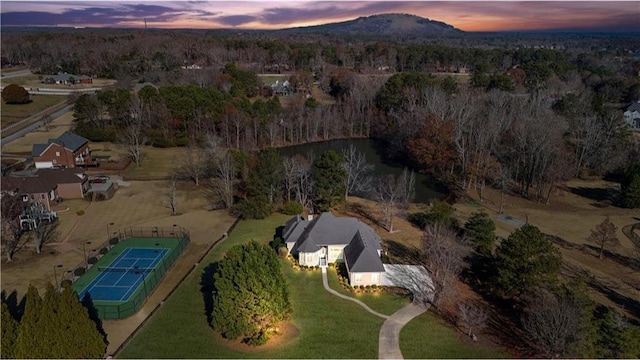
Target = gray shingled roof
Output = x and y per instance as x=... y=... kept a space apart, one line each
x=38 y=149
x=293 y=229
x=361 y=256
x=66 y=77
x=70 y=140
x=326 y=229
x=635 y=106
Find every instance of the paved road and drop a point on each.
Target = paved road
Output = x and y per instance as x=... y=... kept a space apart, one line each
x=37 y=124
x=16 y=74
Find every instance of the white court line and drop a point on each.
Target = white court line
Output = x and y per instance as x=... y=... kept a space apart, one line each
x=142 y=278
x=100 y=277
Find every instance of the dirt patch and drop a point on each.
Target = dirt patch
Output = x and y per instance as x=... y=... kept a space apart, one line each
x=286 y=333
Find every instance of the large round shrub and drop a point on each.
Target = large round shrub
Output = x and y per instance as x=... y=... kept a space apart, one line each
x=15 y=94
x=250 y=294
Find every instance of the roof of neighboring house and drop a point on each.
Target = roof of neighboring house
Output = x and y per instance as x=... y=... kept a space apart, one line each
x=63 y=175
x=27 y=185
x=635 y=106
x=66 y=77
x=360 y=256
x=70 y=141
x=326 y=229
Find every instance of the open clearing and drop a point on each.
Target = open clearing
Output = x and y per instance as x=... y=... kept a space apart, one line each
x=11 y=114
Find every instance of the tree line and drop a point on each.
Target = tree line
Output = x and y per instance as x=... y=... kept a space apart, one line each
x=521 y=275
x=57 y=325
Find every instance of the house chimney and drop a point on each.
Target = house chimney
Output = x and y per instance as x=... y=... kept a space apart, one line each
x=310 y=215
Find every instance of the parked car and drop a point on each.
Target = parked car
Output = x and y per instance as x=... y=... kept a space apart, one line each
x=97 y=181
x=103 y=177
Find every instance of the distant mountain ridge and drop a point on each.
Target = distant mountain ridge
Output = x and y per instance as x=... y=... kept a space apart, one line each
x=383 y=24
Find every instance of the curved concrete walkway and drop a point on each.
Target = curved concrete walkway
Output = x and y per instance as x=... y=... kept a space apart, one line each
x=389 y=338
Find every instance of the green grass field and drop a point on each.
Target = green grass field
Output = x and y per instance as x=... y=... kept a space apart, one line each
x=10 y=114
x=430 y=337
x=329 y=327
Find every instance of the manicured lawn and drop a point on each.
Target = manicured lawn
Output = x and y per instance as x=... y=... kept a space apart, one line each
x=329 y=327
x=383 y=302
x=429 y=337
x=156 y=162
x=14 y=113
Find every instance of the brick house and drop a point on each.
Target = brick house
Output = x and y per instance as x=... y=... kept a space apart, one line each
x=47 y=186
x=67 y=150
x=71 y=182
x=32 y=189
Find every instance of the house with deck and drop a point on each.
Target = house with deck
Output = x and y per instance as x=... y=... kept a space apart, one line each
x=67 y=150
x=327 y=238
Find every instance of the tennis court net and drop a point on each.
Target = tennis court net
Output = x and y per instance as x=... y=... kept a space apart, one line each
x=135 y=270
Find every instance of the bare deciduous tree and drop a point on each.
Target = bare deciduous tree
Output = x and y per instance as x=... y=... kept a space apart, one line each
x=553 y=323
x=192 y=164
x=444 y=258
x=45 y=232
x=393 y=194
x=472 y=316
x=10 y=220
x=358 y=170
x=604 y=234
x=132 y=135
x=221 y=187
x=171 y=195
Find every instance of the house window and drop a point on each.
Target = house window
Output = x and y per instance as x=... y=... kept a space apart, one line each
x=32 y=197
x=42 y=196
x=375 y=278
x=357 y=278
x=25 y=198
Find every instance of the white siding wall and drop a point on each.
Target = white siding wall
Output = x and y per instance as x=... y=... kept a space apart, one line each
x=44 y=165
x=357 y=279
x=335 y=253
x=309 y=259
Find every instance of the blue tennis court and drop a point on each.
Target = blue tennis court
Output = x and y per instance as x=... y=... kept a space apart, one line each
x=125 y=274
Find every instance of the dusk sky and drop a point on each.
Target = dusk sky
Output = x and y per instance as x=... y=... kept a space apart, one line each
x=464 y=15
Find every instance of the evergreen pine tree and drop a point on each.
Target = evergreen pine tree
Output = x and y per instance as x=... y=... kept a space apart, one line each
x=329 y=175
x=79 y=335
x=9 y=332
x=482 y=231
x=48 y=327
x=29 y=335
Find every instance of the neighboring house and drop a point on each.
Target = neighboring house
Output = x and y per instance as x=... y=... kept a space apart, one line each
x=32 y=189
x=326 y=239
x=632 y=115
x=282 y=88
x=67 y=79
x=68 y=150
x=71 y=183
x=47 y=186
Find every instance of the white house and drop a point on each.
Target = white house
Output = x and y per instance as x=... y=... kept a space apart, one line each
x=632 y=115
x=326 y=239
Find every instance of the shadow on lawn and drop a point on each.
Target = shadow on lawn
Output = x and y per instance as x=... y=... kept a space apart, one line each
x=93 y=315
x=599 y=195
x=402 y=254
x=206 y=287
x=16 y=308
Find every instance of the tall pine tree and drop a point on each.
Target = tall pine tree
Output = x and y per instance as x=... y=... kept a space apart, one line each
x=329 y=175
x=29 y=334
x=9 y=332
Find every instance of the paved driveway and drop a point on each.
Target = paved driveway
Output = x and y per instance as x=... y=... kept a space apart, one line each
x=415 y=278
